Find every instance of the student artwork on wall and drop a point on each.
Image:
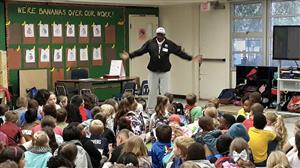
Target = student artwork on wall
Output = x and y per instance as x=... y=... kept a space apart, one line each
x=71 y=54
x=97 y=53
x=83 y=57
x=30 y=55
x=44 y=34
x=57 y=55
x=57 y=30
x=97 y=56
x=70 y=30
x=29 y=34
x=44 y=57
x=71 y=57
x=84 y=54
x=28 y=30
x=83 y=30
x=70 y=34
x=96 y=30
x=57 y=33
x=96 y=34
x=44 y=30
x=83 y=34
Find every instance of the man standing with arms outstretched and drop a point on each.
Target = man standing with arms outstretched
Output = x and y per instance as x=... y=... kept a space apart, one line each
x=159 y=49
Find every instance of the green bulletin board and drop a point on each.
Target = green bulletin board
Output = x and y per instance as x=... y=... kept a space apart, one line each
x=111 y=42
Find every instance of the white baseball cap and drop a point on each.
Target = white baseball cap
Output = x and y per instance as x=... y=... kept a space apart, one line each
x=160 y=30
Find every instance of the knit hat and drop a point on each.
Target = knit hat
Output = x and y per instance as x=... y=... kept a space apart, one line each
x=174 y=118
x=238 y=130
x=160 y=30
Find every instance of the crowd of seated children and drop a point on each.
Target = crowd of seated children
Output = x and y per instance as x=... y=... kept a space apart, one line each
x=83 y=133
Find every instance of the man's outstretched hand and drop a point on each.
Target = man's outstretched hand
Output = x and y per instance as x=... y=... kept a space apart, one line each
x=198 y=58
x=124 y=55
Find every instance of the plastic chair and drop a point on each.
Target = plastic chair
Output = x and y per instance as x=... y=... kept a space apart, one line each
x=85 y=91
x=144 y=90
x=61 y=90
x=128 y=87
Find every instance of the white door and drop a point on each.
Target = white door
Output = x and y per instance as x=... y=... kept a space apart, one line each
x=141 y=29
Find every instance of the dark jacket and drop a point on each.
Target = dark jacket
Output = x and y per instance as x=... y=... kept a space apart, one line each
x=160 y=62
x=100 y=143
x=93 y=152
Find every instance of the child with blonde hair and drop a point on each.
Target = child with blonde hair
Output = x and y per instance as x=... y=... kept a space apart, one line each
x=135 y=144
x=277 y=159
x=40 y=153
x=181 y=145
x=240 y=153
x=63 y=101
x=213 y=113
x=276 y=124
x=189 y=164
x=215 y=102
x=109 y=112
x=96 y=129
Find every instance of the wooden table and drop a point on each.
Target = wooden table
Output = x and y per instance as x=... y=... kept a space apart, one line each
x=90 y=82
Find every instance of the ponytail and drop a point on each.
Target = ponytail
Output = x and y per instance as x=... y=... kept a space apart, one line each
x=280 y=130
x=160 y=107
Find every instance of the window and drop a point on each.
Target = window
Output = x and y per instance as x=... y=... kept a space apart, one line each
x=247 y=34
x=251 y=33
x=283 y=12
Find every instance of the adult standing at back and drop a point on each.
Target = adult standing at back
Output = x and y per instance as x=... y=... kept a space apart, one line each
x=159 y=49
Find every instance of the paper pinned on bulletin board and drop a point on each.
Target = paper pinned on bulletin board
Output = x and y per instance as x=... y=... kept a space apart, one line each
x=97 y=54
x=84 y=54
x=30 y=56
x=97 y=30
x=57 y=30
x=28 y=30
x=83 y=30
x=70 y=30
x=117 y=68
x=71 y=55
x=45 y=55
x=44 y=30
x=57 y=57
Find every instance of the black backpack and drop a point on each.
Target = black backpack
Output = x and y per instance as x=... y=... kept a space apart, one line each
x=178 y=107
x=227 y=96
